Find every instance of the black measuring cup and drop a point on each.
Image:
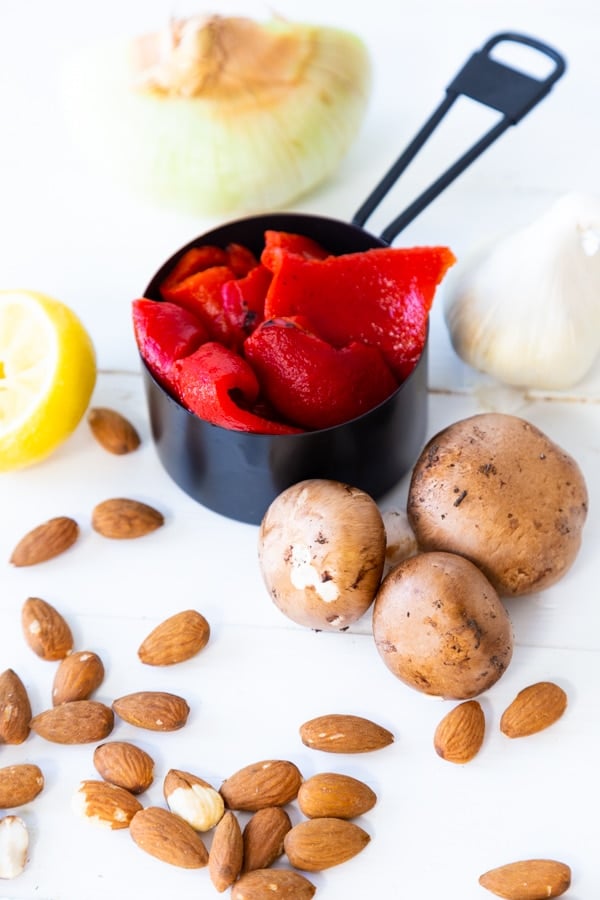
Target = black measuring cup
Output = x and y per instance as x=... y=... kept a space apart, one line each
x=238 y=474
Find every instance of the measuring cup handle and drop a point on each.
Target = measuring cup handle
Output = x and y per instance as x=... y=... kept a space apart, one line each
x=486 y=80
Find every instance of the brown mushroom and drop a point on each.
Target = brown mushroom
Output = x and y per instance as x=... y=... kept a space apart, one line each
x=497 y=490
x=440 y=626
x=321 y=553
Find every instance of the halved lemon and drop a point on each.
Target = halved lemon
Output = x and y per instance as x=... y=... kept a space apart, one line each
x=47 y=374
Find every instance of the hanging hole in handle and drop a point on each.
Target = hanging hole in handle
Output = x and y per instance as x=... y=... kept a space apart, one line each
x=524 y=57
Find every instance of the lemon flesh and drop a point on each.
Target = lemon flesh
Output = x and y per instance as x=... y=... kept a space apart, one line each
x=47 y=375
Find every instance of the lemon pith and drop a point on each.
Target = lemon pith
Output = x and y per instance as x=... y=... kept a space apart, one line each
x=47 y=374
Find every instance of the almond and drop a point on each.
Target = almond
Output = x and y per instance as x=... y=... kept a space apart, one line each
x=263 y=837
x=272 y=782
x=105 y=803
x=329 y=794
x=45 y=542
x=459 y=735
x=338 y=733
x=19 y=784
x=176 y=639
x=529 y=879
x=225 y=857
x=45 y=630
x=167 y=837
x=193 y=799
x=75 y=722
x=534 y=708
x=15 y=709
x=153 y=710
x=112 y=430
x=14 y=844
x=123 y=519
x=262 y=884
x=318 y=844
x=77 y=677
x=125 y=765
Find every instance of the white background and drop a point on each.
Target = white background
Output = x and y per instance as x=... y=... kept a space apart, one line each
x=69 y=233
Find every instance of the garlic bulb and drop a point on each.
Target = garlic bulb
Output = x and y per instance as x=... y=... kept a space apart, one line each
x=527 y=310
x=220 y=114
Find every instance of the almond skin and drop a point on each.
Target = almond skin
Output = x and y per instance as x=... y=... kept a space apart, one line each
x=225 y=856
x=77 y=677
x=167 y=837
x=176 y=639
x=125 y=765
x=263 y=837
x=45 y=541
x=262 y=884
x=153 y=710
x=105 y=803
x=459 y=735
x=318 y=844
x=344 y=734
x=45 y=630
x=112 y=430
x=272 y=782
x=529 y=879
x=75 y=722
x=193 y=799
x=534 y=708
x=329 y=794
x=123 y=519
x=15 y=709
x=20 y=784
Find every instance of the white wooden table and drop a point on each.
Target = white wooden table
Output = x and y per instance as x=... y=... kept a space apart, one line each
x=436 y=826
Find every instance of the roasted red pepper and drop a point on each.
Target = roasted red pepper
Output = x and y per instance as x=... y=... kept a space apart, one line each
x=201 y=294
x=283 y=243
x=196 y=259
x=312 y=383
x=164 y=333
x=244 y=300
x=381 y=297
x=220 y=387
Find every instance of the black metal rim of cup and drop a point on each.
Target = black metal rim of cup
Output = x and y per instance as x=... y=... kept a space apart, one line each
x=238 y=474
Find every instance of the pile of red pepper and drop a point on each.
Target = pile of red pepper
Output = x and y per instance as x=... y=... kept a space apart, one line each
x=296 y=340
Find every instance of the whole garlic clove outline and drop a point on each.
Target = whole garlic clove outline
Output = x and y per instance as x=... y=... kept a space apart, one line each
x=527 y=309
x=14 y=846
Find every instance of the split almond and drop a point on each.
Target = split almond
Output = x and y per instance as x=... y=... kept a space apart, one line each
x=263 y=884
x=225 y=857
x=193 y=799
x=318 y=844
x=75 y=722
x=105 y=803
x=329 y=794
x=263 y=837
x=344 y=734
x=459 y=736
x=14 y=845
x=125 y=765
x=15 y=709
x=176 y=639
x=153 y=710
x=272 y=782
x=530 y=879
x=534 y=708
x=165 y=836
x=20 y=784
x=77 y=677
x=45 y=630
x=123 y=519
x=45 y=542
x=112 y=430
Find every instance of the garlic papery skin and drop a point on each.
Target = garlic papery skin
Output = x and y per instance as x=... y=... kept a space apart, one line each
x=219 y=115
x=527 y=309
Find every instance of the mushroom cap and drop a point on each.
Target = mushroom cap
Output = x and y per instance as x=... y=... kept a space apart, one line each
x=497 y=490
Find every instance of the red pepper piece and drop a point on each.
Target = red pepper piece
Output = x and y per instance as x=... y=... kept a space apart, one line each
x=164 y=332
x=380 y=297
x=240 y=260
x=282 y=243
x=220 y=387
x=196 y=259
x=244 y=300
x=312 y=383
x=201 y=294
